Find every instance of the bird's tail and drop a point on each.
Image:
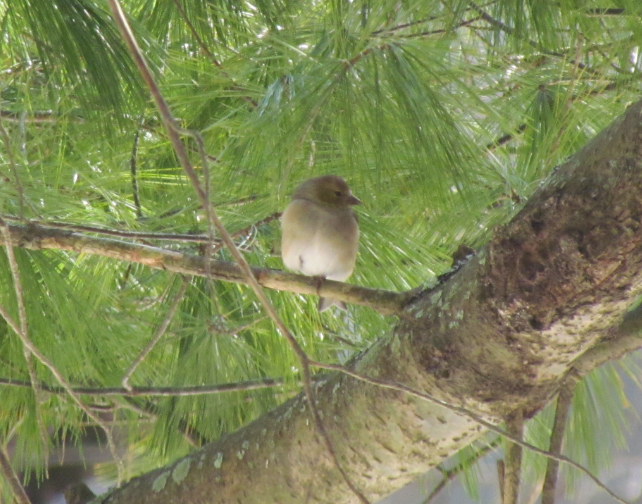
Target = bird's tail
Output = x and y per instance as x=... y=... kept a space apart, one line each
x=325 y=303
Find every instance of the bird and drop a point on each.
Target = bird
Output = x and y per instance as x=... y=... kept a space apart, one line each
x=320 y=232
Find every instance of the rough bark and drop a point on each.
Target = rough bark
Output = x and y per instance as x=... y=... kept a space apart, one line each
x=499 y=335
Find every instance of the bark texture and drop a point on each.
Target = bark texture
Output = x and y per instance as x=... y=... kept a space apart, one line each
x=500 y=334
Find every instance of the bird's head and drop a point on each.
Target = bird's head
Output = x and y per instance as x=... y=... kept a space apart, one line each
x=328 y=190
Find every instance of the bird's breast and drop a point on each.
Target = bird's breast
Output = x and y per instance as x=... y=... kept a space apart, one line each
x=318 y=240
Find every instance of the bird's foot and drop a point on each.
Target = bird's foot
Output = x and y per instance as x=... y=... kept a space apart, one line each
x=318 y=280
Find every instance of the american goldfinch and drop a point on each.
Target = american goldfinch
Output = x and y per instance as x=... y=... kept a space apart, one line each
x=320 y=231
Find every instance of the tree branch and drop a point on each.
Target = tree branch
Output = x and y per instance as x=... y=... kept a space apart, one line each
x=36 y=237
x=142 y=235
x=557 y=436
x=10 y=476
x=513 y=458
x=154 y=391
x=451 y=474
x=157 y=335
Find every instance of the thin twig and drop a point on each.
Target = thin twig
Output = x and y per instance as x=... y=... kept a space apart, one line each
x=246 y=230
x=33 y=377
x=150 y=411
x=22 y=318
x=470 y=414
x=605 y=12
x=562 y=407
x=14 y=168
x=240 y=201
x=195 y=34
x=173 y=133
x=500 y=466
x=451 y=474
x=262 y=222
x=155 y=131
x=136 y=235
x=139 y=235
x=402 y=26
x=209 y=53
x=133 y=161
x=511 y=31
x=210 y=246
x=513 y=458
x=505 y=138
x=362 y=54
x=463 y=24
x=36 y=117
x=421 y=21
x=10 y=476
x=157 y=336
x=260 y=383
x=233 y=331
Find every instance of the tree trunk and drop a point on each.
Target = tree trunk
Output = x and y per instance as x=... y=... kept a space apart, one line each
x=500 y=334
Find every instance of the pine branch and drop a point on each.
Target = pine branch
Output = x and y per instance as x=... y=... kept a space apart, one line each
x=36 y=237
x=152 y=391
x=513 y=458
x=564 y=399
x=157 y=335
x=10 y=476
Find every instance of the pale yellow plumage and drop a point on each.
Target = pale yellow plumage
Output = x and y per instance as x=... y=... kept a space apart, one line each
x=320 y=231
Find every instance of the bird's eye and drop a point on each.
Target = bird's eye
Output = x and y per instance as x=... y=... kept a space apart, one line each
x=338 y=193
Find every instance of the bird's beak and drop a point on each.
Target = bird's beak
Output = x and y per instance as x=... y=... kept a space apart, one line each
x=353 y=201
